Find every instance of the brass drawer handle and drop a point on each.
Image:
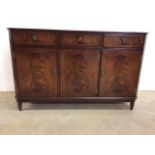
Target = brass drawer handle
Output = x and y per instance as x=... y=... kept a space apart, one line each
x=123 y=41
x=54 y=72
x=80 y=39
x=102 y=73
x=34 y=37
x=129 y=40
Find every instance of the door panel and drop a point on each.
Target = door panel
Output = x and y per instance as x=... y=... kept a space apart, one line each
x=79 y=72
x=119 y=72
x=36 y=71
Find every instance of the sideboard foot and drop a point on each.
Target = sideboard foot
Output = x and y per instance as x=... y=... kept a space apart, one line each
x=132 y=103
x=20 y=106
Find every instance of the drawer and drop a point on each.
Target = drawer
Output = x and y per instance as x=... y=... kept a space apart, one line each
x=124 y=40
x=33 y=37
x=80 y=39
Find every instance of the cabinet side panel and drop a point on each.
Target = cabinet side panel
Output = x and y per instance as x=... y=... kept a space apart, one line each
x=13 y=62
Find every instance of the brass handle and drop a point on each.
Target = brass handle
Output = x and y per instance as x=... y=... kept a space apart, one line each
x=102 y=72
x=124 y=41
x=80 y=39
x=34 y=37
x=54 y=72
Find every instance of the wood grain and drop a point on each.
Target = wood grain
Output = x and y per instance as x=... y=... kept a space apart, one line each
x=79 y=72
x=34 y=37
x=80 y=39
x=120 y=72
x=36 y=71
x=124 y=40
x=59 y=66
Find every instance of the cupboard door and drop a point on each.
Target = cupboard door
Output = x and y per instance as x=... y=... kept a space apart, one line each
x=79 y=72
x=36 y=72
x=119 y=72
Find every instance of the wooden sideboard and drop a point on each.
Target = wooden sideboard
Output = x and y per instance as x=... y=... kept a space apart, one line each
x=59 y=66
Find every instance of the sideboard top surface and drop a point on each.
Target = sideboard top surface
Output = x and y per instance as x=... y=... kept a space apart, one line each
x=90 y=31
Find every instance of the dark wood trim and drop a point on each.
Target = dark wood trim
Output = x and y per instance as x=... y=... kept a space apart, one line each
x=81 y=31
x=34 y=46
x=100 y=66
x=58 y=66
x=73 y=47
x=123 y=48
x=76 y=99
x=80 y=47
x=13 y=63
x=132 y=97
x=140 y=66
x=99 y=73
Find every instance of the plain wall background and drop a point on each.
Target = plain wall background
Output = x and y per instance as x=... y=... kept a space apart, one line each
x=110 y=15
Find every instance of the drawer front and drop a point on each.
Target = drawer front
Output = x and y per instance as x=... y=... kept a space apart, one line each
x=80 y=39
x=123 y=40
x=33 y=37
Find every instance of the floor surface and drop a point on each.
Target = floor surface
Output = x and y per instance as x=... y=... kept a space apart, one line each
x=78 y=118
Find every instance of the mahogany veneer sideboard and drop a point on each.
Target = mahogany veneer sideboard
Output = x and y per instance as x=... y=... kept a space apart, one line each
x=59 y=66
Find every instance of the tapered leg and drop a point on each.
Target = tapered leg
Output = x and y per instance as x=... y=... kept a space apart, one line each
x=20 y=106
x=132 y=103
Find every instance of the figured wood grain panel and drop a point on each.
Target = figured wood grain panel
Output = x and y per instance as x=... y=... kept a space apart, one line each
x=36 y=71
x=34 y=37
x=80 y=39
x=79 y=72
x=123 y=40
x=120 y=72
